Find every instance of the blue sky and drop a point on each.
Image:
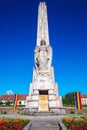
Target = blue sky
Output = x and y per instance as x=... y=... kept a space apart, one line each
x=68 y=37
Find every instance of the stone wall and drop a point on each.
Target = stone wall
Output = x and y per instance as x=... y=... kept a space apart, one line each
x=73 y=109
x=10 y=110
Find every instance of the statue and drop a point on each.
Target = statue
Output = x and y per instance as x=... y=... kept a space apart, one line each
x=43 y=57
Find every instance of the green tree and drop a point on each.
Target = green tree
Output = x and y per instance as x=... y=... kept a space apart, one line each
x=1 y=103
x=8 y=103
x=68 y=99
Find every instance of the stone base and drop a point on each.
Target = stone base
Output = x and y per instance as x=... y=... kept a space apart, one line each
x=59 y=111
x=44 y=102
x=27 y=111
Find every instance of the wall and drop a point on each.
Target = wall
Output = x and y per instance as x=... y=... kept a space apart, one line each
x=10 y=110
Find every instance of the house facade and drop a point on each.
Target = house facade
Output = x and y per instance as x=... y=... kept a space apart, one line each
x=21 y=100
x=84 y=99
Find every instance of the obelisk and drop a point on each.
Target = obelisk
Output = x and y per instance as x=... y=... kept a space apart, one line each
x=42 y=29
x=43 y=94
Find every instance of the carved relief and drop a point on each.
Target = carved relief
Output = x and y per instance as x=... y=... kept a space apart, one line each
x=43 y=57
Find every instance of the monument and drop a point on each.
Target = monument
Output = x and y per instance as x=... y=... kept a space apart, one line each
x=43 y=96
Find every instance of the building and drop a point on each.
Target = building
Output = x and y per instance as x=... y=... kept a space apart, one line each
x=43 y=94
x=10 y=98
x=22 y=99
x=84 y=99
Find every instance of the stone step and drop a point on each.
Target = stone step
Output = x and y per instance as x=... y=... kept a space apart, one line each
x=44 y=128
x=34 y=112
x=44 y=125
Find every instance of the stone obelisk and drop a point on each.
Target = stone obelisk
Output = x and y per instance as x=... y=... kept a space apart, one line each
x=43 y=94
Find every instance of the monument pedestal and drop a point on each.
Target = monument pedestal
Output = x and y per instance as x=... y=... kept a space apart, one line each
x=44 y=94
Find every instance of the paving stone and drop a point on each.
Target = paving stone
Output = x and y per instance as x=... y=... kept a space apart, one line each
x=44 y=125
x=44 y=128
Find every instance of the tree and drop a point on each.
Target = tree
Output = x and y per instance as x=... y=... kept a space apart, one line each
x=8 y=103
x=69 y=99
x=1 y=103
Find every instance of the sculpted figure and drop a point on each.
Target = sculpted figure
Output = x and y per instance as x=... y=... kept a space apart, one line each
x=43 y=56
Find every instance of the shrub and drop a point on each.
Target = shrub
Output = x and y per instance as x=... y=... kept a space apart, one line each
x=75 y=123
x=13 y=124
x=3 y=112
x=72 y=112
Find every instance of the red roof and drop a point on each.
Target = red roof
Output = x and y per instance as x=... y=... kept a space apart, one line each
x=84 y=96
x=11 y=97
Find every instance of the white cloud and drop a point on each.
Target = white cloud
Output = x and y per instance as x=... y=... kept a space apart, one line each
x=9 y=92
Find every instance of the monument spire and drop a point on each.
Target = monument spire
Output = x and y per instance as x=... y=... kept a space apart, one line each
x=42 y=28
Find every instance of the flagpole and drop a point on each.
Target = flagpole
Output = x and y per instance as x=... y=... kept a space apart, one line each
x=14 y=102
x=75 y=100
x=76 y=110
x=78 y=102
